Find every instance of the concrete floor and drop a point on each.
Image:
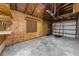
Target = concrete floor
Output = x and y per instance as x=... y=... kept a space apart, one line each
x=44 y=46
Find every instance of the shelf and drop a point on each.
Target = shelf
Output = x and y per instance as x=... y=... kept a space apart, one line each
x=5 y=18
x=5 y=32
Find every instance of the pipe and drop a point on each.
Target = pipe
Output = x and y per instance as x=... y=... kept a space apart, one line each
x=55 y=9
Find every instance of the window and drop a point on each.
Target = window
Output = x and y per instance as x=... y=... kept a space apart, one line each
x=31 y=26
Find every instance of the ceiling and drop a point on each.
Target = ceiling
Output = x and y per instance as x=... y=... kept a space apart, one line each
x=39 y=9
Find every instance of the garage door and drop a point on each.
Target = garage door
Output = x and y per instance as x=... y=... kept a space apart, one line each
x=66 y=28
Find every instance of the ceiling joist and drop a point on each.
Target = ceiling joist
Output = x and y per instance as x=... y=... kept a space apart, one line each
x=61 y=9
x=68 y=7
x=63 y=6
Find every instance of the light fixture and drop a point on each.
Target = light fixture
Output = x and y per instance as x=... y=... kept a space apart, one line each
x=48 y=11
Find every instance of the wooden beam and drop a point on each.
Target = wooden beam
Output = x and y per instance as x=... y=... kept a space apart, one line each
x=10 y=5
x=70 y=6
x=26 y=8
x=59 y=5
x=15 y=6
x=63 y=17
x=69 y=10
x=63 y=6
x=34 y=9
x=66 y=11
x=5 y=10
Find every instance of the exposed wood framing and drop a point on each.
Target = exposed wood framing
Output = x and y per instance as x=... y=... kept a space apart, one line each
x=65 y=17
x=26 y=8
x=34 y=9
x=70 y=6
x=15 y=6
x=62 y=9
x=65 y=5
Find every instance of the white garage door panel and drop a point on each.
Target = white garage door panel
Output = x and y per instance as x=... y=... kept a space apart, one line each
x=61 y=31
x=69 y=27
x=67 y=31
x=57 y=33
x=66 y=28
x=57 y=28
x=70 y=23
x=53 y=30
x=57 y=24
x=73 y=36
x=54 y=33
x=61 y=27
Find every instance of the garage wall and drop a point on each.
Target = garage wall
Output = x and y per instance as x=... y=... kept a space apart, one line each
x=18 y=28
x=77 y=36
x=66 y=28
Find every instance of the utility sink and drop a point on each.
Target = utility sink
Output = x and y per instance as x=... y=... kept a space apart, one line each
x=5 y=32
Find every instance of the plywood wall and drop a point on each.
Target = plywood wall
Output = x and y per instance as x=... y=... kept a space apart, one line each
x=2 y=37
x=19 y=29
x=5 y=9
x=76 y=7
